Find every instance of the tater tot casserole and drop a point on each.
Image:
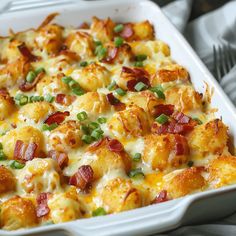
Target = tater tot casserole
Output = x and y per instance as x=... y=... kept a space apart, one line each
x=99 y=119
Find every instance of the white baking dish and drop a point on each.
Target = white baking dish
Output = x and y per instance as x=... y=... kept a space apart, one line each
x=160 y=217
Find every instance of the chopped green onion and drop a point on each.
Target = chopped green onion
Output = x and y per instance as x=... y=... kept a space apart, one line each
x=1 y=147
x=198 y=120
x=162 y=119
x=85 y=129
x=66 y=79
x=73 y=84
x=137 y=156
x=30 y=77
x=97 y=43
x=118 y=41
x=39 y=70
x=97 y=134
x=93 y=125
x=118 y=28
x=23 y=100
x=83 y=63
x=141 y=57
x=2 y=155
x=99 y=212
x=159 y=91
x=18 y=96
x=16 y=165
x=87 y=139
x=50 y=222
x=190 y=163
x=78 y=91
x=49 y=127
x=100 y=52
x=49 y=98
x=82 y=116
x=138 y=64
x=120 y=91
x=140 y=86
x=111 y=86
x=36 y=98
x=102 y=120
x=136 y=173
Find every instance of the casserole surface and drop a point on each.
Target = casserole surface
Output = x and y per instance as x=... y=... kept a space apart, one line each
x=127 y=135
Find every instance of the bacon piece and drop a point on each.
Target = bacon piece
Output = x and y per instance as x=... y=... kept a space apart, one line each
x=162 y=197
x=64 y=99
x=82 y=178
x=163 y=109
x=137 y=75
x=25 y=86
x=42 y=208
x=111 y=55
x=25 y=52
x=173 y=128
x=115 y=146
x=181 y=118
x=24 y=152
x=127 y=32
x=112 y=99
x=4 y=93
x=57 y=117
x=181 y=145
x=61 y=158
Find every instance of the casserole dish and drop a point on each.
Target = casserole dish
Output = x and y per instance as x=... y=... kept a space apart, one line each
x=170 y=214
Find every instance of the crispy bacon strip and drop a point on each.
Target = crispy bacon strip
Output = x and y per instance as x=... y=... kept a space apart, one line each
x=137 y=75
x=25 y=52
x=162 y=197
x=61 y=158
x=24 y=152
x=115 y=146
x=57 y=117
x=42 y=208
x=64 y=99
x=181 y=145
x=26 y=86
x=111 y=55
x=163 y=109
x=112 y=99
x=82 y=178
x=127 y=32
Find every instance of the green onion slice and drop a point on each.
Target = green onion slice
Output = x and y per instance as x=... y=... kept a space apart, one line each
x=99 y=212
x=120 y=91
x=118 y=41
x=136 y=173
x=140 y=86
x=137 y=156
x=141 y=57
x=2 y=155
x=16 y=165
x=162 y=119
x=118 y=28
x=31 y=76
x=82 y=116
x=66 y=79
x=87 y=139
x=102 y=120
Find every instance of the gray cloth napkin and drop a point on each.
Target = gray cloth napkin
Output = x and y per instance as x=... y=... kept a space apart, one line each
x=217 y=27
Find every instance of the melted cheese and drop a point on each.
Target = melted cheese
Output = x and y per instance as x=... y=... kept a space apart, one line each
x=43 y=174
